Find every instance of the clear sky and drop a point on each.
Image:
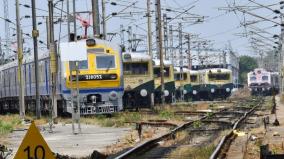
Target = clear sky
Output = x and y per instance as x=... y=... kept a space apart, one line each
x=219 y=26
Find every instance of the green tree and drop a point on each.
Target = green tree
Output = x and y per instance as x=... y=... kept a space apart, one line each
x=247 y=64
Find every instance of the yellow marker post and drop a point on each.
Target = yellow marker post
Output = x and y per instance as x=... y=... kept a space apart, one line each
x=34 y=146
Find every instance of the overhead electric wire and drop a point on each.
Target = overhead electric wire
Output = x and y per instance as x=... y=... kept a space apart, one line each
x=223 y=32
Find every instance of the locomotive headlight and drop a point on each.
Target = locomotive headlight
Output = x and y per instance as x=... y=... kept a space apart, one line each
x=113 y=95
x=212 y=90
x=93 y=98
x=184 y=91
x=166 y=93
x=114 y=76
x=143 y=92
x=263 y=89
x=90 y=42
x=228 y=89
x=194 y=92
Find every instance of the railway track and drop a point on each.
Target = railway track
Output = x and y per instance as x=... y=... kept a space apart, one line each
x=207 y=128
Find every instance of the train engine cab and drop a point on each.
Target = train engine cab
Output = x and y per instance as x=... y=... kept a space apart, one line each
x=99 y=77
x=182 y=83
x=169 y=82
x=262 y=82
x=219 y=82
x=213 y=83
x=138 y=80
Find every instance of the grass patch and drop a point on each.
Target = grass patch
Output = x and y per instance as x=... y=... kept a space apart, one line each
x=123 y=119
x=268 y=104
x=8 y=123
x=116 y=120
x=165 y=114
x=193 y=152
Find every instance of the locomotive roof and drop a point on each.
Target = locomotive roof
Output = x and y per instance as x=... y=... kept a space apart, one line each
x=157 y=62
x=135 y=57
x=178 y=70
x=216 y=70
x=69 y=49
x=193 y=72
x=219 y=69
x=262 y=71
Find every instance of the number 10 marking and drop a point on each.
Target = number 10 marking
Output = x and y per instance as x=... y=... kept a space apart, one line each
x=36 y=152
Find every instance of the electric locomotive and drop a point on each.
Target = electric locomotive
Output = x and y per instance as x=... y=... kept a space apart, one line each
x=262 y=82
x=214 y=83
x=99 y=78
x=138 y=80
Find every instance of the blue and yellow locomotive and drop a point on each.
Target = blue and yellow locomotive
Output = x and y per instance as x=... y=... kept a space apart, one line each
x=100 y=79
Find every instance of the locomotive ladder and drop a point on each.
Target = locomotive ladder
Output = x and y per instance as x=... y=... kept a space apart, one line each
x=75 y=97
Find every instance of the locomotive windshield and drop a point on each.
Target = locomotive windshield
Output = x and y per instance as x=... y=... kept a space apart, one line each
x=193 y=78
x=135 y=68
x=157 y=72
x=253 y=78
x=222 y=76
x=178 y=76
x=265 y=78
x=105 y=62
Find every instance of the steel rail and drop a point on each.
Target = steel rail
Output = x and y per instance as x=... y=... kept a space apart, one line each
x=225 y=138
x=150 y=143
x=147 y=145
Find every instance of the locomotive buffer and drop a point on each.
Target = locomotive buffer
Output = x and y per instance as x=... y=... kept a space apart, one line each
x=75 y=97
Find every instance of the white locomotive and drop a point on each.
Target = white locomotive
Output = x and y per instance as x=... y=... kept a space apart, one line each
x=262 y=82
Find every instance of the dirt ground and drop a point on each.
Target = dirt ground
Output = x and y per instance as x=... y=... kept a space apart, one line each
x=107 y=140
x=64 y=142
x=248 y=144
x=240 y=93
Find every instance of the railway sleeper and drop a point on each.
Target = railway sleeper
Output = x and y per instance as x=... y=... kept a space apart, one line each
x=218 y=122
x=139 y=126
x=190 y=113
x=230 y=112
x=206 y=130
